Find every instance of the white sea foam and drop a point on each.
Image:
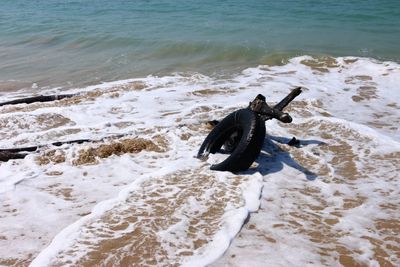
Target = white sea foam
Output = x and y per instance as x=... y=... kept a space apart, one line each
x=341 y=177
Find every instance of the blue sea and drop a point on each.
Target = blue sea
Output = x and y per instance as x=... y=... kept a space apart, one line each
x=48 y=43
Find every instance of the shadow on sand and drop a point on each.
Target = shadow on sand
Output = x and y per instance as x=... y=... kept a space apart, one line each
x=272 y=158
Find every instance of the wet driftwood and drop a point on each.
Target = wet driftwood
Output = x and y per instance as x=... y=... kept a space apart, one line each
x=6 y=156
x=289 y=98
x=15 y=153
x=260 y=106
x=40 y=98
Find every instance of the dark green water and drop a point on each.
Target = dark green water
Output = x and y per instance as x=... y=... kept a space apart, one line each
x=79 y=42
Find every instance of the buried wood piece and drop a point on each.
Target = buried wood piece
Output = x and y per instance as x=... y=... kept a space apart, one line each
x=40 y=98
x=14 y=153
x=6 y=156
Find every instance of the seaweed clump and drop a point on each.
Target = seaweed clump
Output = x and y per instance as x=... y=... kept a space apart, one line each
x=52 y=156
x=134 y=145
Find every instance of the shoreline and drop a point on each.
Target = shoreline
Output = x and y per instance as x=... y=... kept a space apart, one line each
x=217 y=70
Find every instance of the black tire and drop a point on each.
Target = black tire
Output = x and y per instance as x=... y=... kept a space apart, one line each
x=251 y=129
x=231 y=143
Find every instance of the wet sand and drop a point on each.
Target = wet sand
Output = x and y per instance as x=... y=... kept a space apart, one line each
x=143 y=200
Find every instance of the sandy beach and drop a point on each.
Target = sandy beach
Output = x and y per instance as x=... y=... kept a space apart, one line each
x=144 y=199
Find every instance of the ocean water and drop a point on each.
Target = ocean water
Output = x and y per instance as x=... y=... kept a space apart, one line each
x=74 y=43
x=148 y=75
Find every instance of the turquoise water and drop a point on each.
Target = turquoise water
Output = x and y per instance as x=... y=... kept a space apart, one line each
x=79 y=42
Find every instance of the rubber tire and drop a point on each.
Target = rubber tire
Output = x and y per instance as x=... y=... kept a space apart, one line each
x=250 y=127
x=231 y=143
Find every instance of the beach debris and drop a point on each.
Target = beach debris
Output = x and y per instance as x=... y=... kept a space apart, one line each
x=88 y=155
x=132 y=145
x=40 y=98
x=242 y=133
x=6 y=156
x=294 y=142
x=15 y=153
x=52 y=156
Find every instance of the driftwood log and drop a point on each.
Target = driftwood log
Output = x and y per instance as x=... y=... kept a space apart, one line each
x=33 y=99
x=260 y=106
x=16 y=153
x=6 y=156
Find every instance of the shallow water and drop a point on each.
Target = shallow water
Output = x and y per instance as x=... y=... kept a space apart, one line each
x=77 y=43
x=331 y=202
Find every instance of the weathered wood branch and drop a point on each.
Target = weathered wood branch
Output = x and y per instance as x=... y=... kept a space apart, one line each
x=289 y=98
x=6 y=156
x=33 y=99
x=15 y=153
